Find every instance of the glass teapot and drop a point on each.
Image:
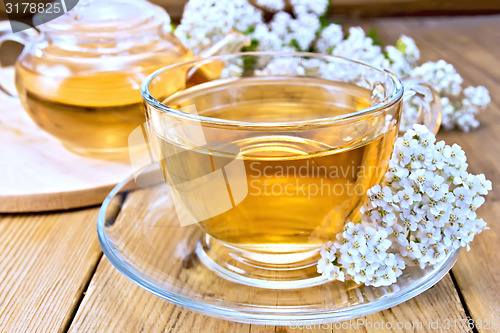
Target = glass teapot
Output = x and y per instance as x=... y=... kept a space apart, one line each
x=79 y=77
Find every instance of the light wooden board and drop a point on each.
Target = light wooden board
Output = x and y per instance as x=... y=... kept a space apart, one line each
x=38 y=174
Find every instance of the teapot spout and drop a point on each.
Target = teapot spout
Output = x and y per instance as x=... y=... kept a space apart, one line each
x=230 y=43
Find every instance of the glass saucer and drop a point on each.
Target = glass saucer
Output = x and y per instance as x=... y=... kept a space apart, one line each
x=140 y=235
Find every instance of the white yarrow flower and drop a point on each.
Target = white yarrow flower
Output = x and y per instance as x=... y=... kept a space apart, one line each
x=362 y=256
x=478 y=96
x=271 y=5
x=205 y=21
x=359 y=47
x=423 y=212
x=441 y=75
x=409 y=48
x=316 y=7
x=329 y=38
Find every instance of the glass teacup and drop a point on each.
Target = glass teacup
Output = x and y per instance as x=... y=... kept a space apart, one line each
x=272 y=153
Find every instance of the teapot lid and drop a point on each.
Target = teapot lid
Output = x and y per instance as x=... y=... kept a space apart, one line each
x=110 y=18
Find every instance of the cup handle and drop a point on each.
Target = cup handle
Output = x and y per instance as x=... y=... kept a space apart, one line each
x=21 y=37
x=426 y=100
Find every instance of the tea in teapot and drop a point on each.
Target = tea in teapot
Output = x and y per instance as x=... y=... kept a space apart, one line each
x=80 y=78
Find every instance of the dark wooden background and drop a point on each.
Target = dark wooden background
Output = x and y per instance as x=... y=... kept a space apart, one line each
x=383 y=8
x=373 y=8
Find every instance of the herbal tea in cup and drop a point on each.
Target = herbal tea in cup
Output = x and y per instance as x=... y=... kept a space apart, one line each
x=273 y=155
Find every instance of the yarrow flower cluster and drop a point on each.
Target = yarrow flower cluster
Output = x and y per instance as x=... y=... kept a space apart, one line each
x=205 y=21
x=361 y=253
x=425 y=210
x=300 y=25
x=460 y=106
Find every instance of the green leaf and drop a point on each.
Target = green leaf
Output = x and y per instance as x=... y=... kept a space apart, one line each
x=323 y=19
x=249 y=62
x=373 y=34
x=295 y=44
x=323 y=22
x=409 y=235
x=401 y=46
x=248 y=31
x=252 y=47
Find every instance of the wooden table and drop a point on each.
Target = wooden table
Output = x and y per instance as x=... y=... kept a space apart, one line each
x=53 y=276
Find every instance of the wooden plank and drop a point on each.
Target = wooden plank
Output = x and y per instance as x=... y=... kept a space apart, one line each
x=428 y=312
x=471 y=45
x=478 y=270
x=46 y=261
x=381 y=8
x=114 y=304
x=105 y=305
x=111 y=298
x=43 y=274
x=386 y=8
x=369 y=8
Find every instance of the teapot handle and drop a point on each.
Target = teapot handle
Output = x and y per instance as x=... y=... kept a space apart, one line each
x=21 y=37
x=230 y=43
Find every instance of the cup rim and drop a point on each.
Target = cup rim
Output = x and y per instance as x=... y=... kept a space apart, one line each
x=396 y=95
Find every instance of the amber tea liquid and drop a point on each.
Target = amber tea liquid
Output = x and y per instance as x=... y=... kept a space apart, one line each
x=301 y=190
x=91 y=113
